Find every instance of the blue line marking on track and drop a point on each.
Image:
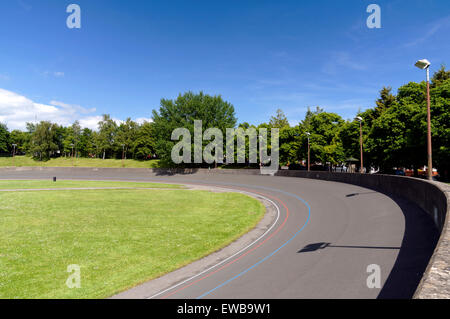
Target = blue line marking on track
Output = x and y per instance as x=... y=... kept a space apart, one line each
x=275 y=251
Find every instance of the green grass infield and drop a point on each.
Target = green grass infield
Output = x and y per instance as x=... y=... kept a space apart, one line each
x=118 y=238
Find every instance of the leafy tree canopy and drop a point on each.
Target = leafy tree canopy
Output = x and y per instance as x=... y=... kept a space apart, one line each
x=213 y=111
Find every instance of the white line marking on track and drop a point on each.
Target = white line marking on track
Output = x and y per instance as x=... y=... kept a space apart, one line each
x=225 y=260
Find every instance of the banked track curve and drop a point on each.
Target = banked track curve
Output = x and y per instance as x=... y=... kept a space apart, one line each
x=331 y=233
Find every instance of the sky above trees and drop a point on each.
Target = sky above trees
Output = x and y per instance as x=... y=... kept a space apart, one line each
x=259 y=55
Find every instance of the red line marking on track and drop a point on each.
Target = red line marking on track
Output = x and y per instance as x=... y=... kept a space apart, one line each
x=246 y=253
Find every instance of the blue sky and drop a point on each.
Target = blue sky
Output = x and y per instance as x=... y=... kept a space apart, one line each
x=259 y=55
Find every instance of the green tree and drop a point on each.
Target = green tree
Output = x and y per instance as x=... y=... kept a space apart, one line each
x=71 y=137
x=350 y=136
x=290 y=142
x=21 y=139
x=60 y=134
x=440 y=77
x=126 y=135
x=213 y=111
x=244 y=130
x=87 y=143
x=43 y=140
x=76 y=131
x=106 y=139
x=325 y=143
x=279 y=120
x=440 y=118
x=385 y=101
x=68 y=141
x=31 y=127
x=4 y=139
x=143 y=146
x=398 y=134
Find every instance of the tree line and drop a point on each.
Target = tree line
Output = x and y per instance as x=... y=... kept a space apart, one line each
x=44 y=140
x=394 y=131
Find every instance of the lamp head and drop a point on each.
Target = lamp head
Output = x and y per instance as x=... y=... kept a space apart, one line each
x=423 y=64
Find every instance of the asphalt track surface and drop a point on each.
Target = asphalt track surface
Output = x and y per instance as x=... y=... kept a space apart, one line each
x=325 y=238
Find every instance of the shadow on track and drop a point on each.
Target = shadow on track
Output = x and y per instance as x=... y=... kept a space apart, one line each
x=174 y=171
x=419 y=240
x=356 y=194
x=317 y=246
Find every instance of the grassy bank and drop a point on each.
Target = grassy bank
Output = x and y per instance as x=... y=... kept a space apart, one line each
x=36 y=184
x=119 y=238
x=25 y=161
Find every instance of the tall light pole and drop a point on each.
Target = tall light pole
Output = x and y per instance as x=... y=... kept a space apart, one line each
x=425 y=65
x=123 y=152
x=260 y=151
x=360 y=120
x=297 y=135
x=72 y=152
x=309 y=162
x=14 y=153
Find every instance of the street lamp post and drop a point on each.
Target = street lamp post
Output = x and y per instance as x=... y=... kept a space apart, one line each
x=123 y=154
x=71 y=145
x=260 y=151
x=309 y=162
x=360 y=120
x=425 y=65
x=14 y=153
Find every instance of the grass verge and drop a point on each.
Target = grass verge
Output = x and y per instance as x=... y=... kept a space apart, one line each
x=119 y=238
x=25 y=161
x=36 y=184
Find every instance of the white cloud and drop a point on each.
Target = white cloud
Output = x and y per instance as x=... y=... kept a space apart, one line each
x=56 y=74
x=74 y=108
x=141 y=120
x=427 y=32
x=16 y=110
x=90 y=121
x=340 y=61
x=25 y=5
